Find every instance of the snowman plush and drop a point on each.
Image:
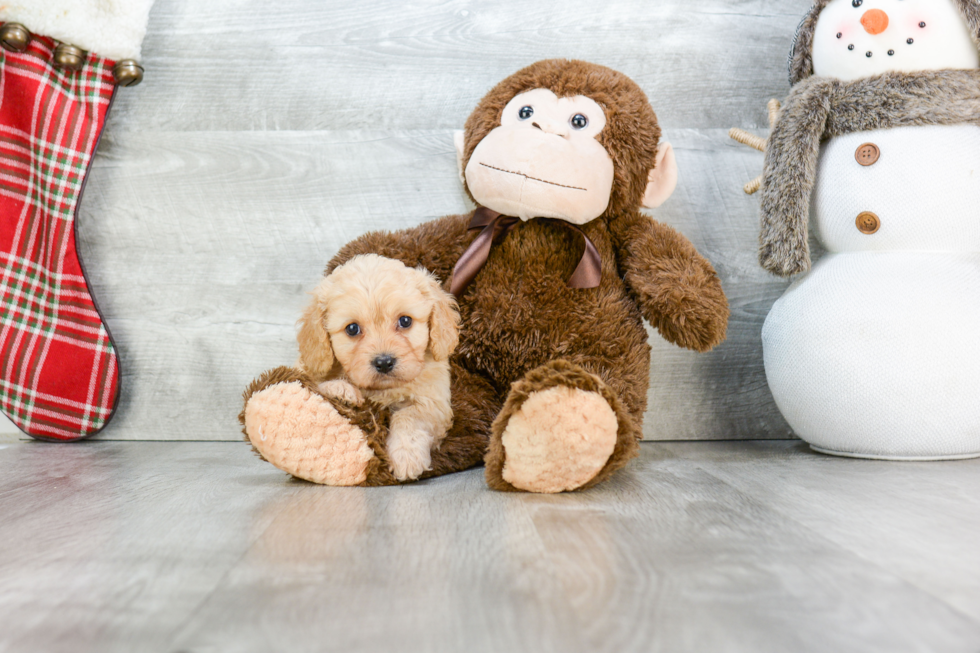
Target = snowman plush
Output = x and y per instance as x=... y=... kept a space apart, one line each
x=875 y=351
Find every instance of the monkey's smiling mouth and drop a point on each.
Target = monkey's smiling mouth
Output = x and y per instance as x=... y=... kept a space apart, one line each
x=521 y=174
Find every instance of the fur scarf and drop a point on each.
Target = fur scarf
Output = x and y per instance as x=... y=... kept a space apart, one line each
x=820 y=108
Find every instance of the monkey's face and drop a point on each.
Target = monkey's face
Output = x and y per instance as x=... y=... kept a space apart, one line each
x=544 y=161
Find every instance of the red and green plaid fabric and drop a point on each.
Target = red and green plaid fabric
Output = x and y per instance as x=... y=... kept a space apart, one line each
x=59 y=374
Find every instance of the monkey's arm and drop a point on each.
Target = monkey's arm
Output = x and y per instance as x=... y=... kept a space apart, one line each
x=435 y=245
x=676 y=288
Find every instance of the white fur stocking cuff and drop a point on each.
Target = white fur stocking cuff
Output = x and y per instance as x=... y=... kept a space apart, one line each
x=113 y=29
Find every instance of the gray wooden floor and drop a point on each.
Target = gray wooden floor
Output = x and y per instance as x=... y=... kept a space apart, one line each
x=261 y=141
x=749 y=546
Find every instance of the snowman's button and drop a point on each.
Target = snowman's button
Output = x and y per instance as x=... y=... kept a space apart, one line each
x=867 y=154
x=867 y=222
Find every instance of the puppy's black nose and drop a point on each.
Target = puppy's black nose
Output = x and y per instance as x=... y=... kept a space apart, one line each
x=384 y=363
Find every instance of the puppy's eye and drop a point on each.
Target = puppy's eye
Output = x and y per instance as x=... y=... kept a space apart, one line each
x=579 y=121
x=525 y=113
x=404 y=321
x=353 y=329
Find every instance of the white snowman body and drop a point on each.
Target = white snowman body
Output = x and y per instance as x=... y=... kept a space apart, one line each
x=874 y=352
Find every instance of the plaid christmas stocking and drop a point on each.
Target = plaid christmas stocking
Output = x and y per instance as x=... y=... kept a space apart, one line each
x=59 y=369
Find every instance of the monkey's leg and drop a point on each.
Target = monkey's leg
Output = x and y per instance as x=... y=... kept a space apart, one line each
x=317 y=438
x=562 y=428
x=329 y=441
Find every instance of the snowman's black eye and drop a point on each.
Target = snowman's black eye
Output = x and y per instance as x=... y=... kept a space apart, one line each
x=579 y=121
x=868 y=54
x=922 y=24
x=910 y=41
x=525 y=113
x=891 y=53
x=839 y=34
x=857 y=3
x=850 y=47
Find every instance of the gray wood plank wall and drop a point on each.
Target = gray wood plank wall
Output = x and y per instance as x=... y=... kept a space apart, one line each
x=259 y=144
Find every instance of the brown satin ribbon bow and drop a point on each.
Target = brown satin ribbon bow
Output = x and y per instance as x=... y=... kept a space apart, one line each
x=495 y=227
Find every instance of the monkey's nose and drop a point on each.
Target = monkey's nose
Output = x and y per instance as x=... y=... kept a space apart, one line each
x=549 y=127
x=875 y=21
x=384 y=363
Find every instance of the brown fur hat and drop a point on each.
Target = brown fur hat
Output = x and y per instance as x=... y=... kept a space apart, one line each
x=627 y=136
x=801 y=55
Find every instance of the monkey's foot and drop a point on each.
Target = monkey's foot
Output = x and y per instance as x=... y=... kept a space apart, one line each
x=558 y=440
x=561 y=429
x=300 y=432
x=318 y=438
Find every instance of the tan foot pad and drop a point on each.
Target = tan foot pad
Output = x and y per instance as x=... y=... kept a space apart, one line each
x=301 y=433
x=558 y=440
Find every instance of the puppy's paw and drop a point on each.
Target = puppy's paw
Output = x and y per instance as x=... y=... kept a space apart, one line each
x=341 y=389
x=409 y=455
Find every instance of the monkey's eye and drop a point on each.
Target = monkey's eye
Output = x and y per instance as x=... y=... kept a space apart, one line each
x=404 y=321
x=857 y=3
x=579 y=121
x=353 y=329
x=525 y=113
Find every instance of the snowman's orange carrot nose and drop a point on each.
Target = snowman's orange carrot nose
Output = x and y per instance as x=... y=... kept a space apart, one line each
x=875 y=21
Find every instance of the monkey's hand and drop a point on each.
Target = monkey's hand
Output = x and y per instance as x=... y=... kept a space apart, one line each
x=676 y=288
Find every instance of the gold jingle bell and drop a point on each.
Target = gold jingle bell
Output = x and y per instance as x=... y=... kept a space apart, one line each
x=127 y=72
x=69 y=57
x=14 y=37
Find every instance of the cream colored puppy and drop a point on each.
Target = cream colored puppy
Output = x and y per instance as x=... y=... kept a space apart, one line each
x=381 y=331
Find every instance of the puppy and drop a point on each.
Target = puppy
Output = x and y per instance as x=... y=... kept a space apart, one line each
x=381 y=331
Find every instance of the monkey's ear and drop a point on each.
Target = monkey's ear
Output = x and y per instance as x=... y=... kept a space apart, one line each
x=315 y=351
x=662 y=180
x=459 y=140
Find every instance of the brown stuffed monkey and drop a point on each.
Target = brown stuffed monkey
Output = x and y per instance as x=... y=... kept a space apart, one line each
x=554 y=274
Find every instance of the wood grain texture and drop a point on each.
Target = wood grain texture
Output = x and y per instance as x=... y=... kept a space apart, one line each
x=8 y=430
x=259 y=144
x=235 y=65
x=758 y=547
x=109 y=548
x=846 y=503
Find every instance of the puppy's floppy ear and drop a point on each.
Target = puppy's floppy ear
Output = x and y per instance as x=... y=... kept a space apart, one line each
x=315 y=351
x=443 y=320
